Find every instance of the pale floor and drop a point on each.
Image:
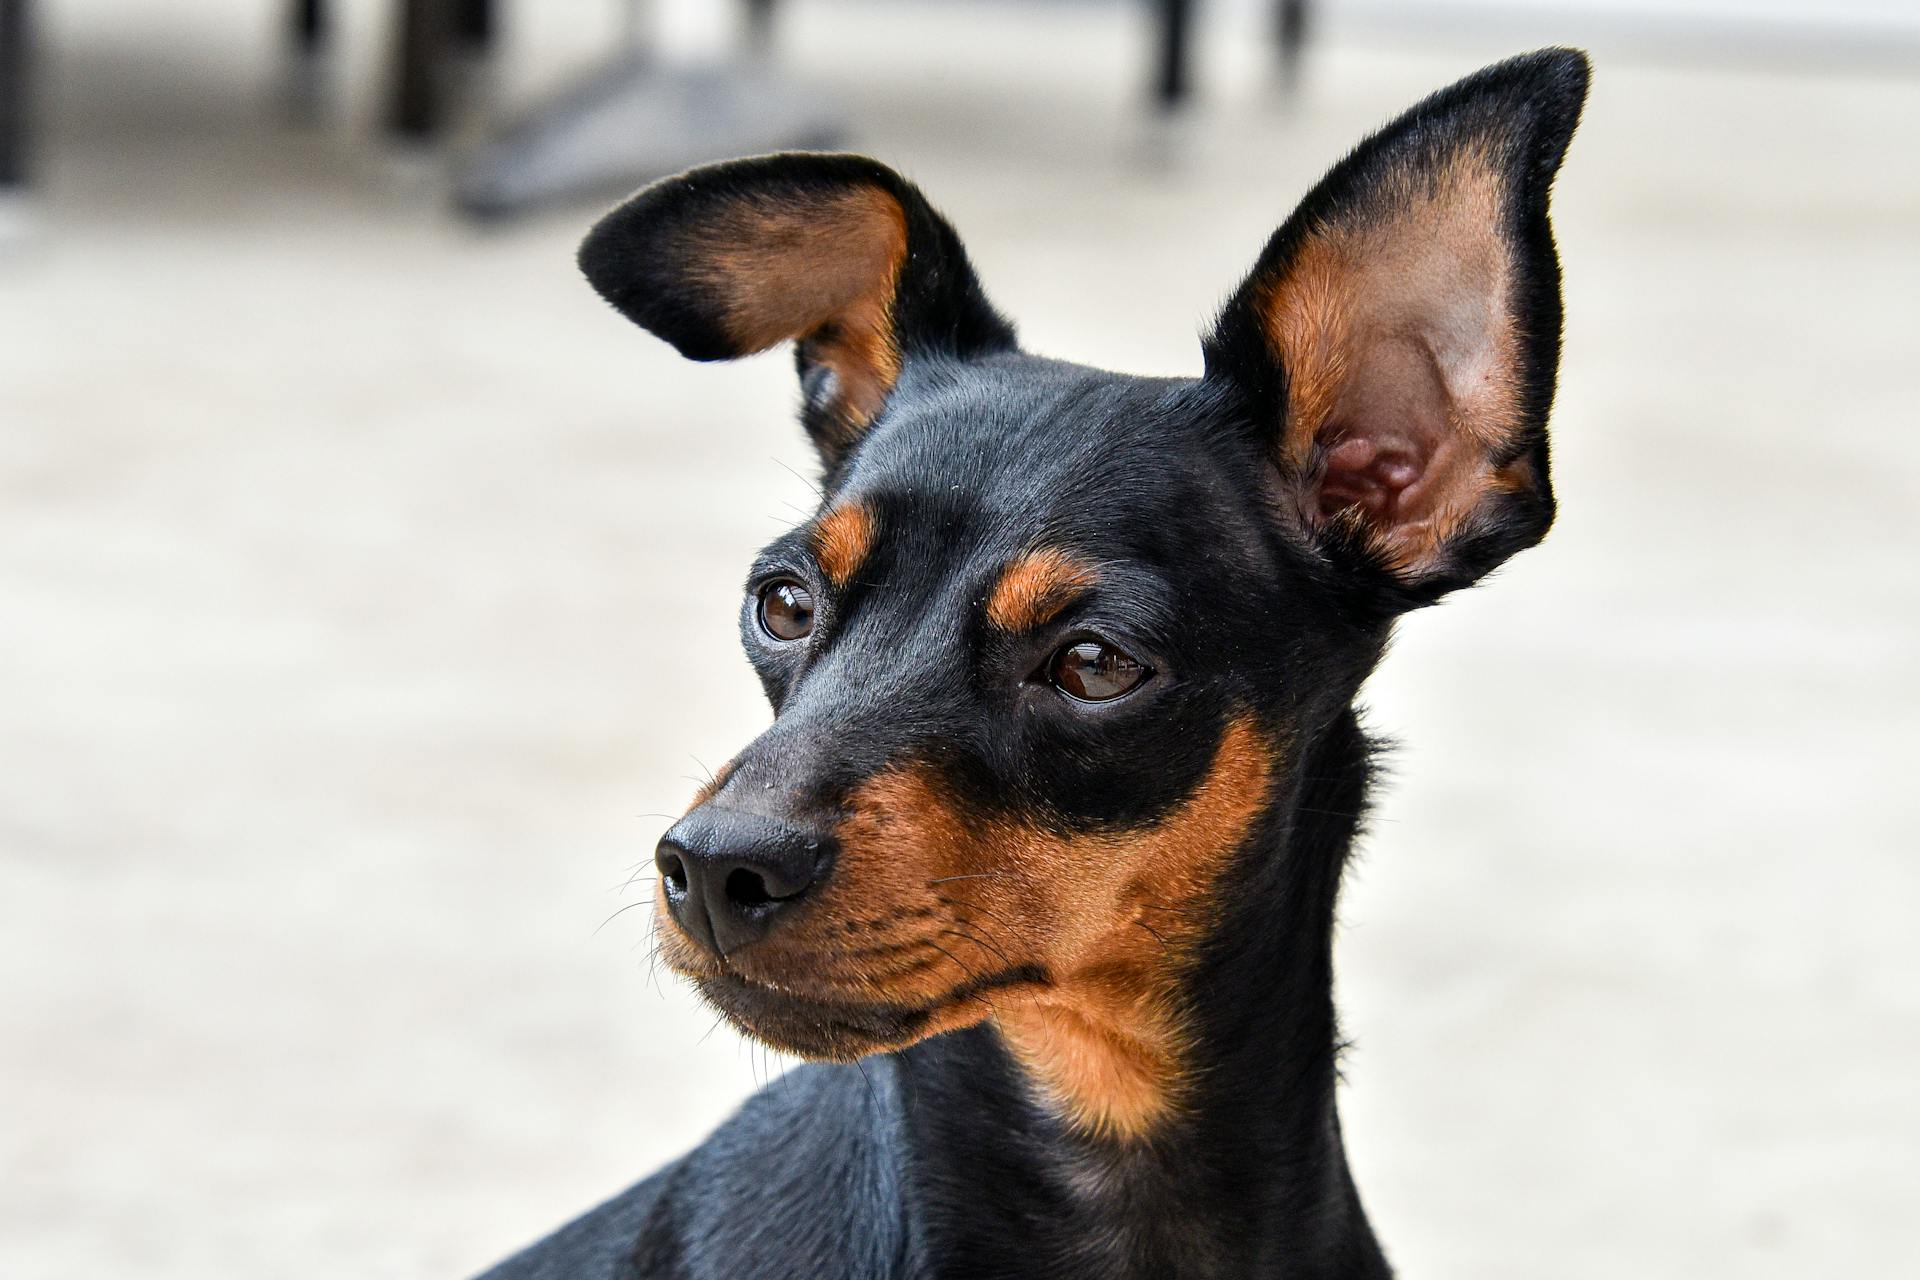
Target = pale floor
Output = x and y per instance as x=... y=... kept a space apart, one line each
x=367 y=594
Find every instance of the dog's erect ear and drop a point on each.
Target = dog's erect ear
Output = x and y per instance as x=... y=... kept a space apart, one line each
x=1400 y=333
x=836 y=252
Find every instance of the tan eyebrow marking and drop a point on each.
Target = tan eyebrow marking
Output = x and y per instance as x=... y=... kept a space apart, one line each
x=842 y=540
x=1035 y=587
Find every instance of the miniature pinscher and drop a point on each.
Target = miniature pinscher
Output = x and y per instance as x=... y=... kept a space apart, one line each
x=1039 y=857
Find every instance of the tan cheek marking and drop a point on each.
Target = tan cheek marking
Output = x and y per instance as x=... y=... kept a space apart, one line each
x=1106 y=1042
x=1035 y=587
x=1405 y=314
x=842 y=540
x=1109 y=917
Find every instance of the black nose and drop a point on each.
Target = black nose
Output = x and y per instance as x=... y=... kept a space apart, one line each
x=729 y=874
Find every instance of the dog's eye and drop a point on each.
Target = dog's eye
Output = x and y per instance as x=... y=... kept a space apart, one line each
x=786 y=610
x=1094 y=672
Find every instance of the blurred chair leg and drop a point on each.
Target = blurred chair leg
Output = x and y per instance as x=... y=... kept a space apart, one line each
x=309 y=31
x=475 y=23
x=1173 y=72
x=16 y=57
x=417 y=110
x=759 y=27
x=472 y=91
x=1290 y=31
x=310 y=26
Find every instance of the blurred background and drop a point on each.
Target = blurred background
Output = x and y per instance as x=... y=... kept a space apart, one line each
x=367 y=597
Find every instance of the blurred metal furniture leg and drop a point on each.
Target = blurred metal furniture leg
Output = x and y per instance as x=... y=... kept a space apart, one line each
x=1173 y=76
x=16 y=59
x=417 y=111
x=473 y=23
x=309 y=32
x=637 y=119
x=309 y=20
x=437 y=47
x=1173 y=56
x=1290 y=31
x=759 y=33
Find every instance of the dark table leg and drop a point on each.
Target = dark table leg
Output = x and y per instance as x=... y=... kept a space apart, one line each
x=1173 y=71
x=759 y=26
x=418 y=109
x=1290 y=35
x=310 y=26
x=16 y=58
x=309 y=32
x=475 y=22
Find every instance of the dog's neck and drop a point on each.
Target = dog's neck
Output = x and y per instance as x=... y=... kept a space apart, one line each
x=1248 y=1175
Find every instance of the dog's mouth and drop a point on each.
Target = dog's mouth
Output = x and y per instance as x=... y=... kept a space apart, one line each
x=814 y=1027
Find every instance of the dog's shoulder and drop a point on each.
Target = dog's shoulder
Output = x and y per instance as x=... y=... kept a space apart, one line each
x=802 y=1180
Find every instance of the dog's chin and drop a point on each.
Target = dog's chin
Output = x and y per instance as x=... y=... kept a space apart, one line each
x=810 y=1027
x=836 y=1030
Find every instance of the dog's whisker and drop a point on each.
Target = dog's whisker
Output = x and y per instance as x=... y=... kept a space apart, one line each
x=817 y=491
x=871 y=1091
x=645 y=902
x=981 y=943
x=636 y=878
x=963 y=966
x=1152 y=933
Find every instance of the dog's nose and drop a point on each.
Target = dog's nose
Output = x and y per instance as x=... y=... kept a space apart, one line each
x=729 y=874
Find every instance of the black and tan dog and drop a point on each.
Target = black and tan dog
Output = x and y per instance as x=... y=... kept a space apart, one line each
x=1051 y=818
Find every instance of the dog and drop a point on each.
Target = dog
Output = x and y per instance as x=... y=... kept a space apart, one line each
x=1038 y=860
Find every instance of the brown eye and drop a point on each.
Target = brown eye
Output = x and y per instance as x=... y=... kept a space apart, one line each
x=786 y=610
x=1094 y=672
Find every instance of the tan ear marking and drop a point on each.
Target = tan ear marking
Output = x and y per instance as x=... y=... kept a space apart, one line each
x=1394 y=325
x=842 y=540
x=821 y=271
x=1035 y=587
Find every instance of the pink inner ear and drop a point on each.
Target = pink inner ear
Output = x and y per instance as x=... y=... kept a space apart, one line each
x=1372 y=474
x=1387 y=442
x=1401 y=355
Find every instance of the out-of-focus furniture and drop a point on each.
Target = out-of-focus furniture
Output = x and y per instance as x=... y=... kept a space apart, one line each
x=15 y=18
x=636 y=118
x=432 y=39
x=1173 y=75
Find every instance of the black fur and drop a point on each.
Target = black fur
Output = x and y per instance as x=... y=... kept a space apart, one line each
x=640 y=259
x=941 y=1159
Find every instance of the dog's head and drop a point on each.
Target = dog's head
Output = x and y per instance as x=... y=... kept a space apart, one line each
x=1046 y=656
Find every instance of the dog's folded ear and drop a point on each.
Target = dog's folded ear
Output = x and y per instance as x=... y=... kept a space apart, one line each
x=1400 y=334
x=837 y=253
